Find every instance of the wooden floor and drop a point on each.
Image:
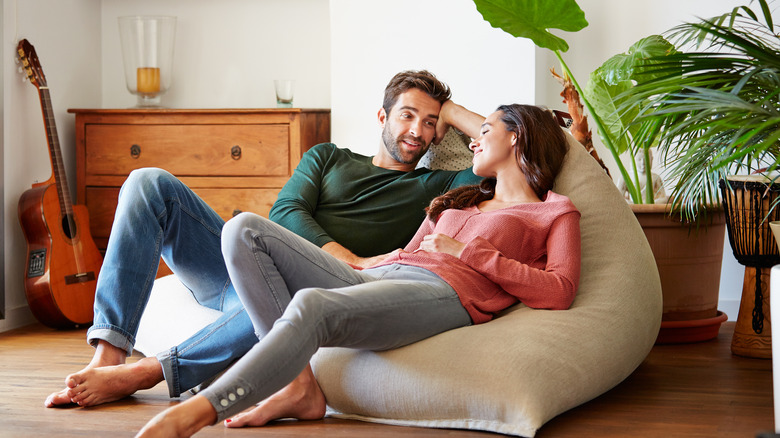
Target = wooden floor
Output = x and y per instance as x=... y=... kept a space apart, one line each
x=693 y=390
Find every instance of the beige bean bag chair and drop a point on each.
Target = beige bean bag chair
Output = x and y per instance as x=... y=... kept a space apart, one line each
x=510 y=375
x=515 y=373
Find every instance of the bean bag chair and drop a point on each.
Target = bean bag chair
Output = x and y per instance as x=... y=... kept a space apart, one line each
x=513 y=374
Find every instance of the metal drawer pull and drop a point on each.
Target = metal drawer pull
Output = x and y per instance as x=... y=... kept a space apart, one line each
x=135 y=151
x=235 y=152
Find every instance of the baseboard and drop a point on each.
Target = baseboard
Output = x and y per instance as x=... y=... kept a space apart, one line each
x=19 y=316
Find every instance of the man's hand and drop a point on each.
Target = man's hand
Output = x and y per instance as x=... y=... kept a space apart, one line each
x=441 y=123
x=442 y=243
x=367 y=262
x=345 y=255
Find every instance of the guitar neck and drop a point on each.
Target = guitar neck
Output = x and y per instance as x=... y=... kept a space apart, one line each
x=55 y=154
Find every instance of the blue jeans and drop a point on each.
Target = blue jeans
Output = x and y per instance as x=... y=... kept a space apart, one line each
x=158 y=215
x=325 y=303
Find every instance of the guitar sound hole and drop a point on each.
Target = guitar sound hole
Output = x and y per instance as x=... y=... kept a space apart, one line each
x=69 y=226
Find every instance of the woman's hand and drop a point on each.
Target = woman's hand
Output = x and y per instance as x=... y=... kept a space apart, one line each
x=442 y=243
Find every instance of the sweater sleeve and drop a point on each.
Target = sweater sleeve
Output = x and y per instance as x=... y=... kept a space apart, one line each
x=296 y=204
x=551 y=288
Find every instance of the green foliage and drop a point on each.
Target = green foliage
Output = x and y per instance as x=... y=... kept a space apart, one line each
x=532 y=19
x=607 y=90
x=610 y=83
x=717 y=106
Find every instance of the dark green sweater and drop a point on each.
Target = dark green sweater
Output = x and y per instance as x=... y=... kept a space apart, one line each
x=337 y=195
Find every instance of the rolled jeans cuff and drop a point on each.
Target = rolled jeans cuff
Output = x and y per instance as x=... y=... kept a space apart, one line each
x=112 y=335
x=169 y=363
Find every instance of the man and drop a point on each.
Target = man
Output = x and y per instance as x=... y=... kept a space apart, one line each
x=354 y=207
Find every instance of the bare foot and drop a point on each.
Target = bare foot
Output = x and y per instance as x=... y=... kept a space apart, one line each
x=302 y=399
x=105 y=355
x=94 y=386
x=182 y=420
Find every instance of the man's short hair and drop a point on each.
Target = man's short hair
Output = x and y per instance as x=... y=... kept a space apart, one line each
x=422 y=80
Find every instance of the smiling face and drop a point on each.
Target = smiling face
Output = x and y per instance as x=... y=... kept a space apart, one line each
x=494 y=148
x=408 y=130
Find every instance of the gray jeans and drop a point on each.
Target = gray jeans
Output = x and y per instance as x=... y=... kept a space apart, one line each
x=323 y=303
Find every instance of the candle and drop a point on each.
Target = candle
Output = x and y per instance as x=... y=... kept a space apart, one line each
x=148 y=80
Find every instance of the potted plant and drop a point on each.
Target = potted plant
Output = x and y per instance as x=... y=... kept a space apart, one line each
x=694 y=303
x=690 y=301
x=717 y=109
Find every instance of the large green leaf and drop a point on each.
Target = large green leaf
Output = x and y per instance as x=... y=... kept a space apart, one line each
x=632 y=64
x=532 y=19
x=603 y=98
x=608 y=85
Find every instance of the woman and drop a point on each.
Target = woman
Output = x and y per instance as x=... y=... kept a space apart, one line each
x=481 y=249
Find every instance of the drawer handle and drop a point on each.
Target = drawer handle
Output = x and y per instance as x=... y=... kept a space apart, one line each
x=235 y=152
x=135 y=151
x=236 y=212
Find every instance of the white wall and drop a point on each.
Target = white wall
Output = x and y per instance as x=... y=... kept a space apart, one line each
x=63 y=33
x=484 y=67
x=341 y=52
x=613 y=27
x=227 y=53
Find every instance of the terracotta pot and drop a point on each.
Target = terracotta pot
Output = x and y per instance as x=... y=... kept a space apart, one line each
x=689 y=262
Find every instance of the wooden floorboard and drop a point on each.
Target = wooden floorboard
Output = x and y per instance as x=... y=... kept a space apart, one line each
x=692 y=390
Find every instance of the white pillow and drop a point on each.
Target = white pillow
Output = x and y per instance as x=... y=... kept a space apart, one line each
x=171 y=316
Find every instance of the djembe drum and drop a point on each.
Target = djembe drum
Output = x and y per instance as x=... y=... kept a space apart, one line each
x=748 y=201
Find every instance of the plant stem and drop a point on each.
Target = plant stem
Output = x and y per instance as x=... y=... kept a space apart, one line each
x=649 y=189
x=636 y=197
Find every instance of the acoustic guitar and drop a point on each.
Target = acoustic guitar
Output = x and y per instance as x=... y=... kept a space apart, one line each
x=63 y=261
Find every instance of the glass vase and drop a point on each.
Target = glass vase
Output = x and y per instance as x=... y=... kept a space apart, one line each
x=147 y=54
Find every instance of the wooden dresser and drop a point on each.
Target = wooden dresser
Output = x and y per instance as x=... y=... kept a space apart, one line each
x=235 y=159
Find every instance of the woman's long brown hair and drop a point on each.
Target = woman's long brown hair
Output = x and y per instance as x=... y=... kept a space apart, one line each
x=539 y=152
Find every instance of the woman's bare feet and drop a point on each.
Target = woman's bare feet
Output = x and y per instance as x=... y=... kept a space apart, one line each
x=105 y=355
x=182 y=420
x=302 y=399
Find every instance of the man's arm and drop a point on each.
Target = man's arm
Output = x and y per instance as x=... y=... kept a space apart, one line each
x=457 y=116
x=295 y=207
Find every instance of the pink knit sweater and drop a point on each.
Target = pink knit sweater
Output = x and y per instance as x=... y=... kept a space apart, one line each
x=529 y=253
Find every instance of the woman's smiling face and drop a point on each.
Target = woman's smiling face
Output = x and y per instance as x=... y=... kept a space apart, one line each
x=494 y=147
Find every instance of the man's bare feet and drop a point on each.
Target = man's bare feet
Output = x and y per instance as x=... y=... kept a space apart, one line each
x=182 y=420
x=302 y=399
x=105 y=355
x=100 y=385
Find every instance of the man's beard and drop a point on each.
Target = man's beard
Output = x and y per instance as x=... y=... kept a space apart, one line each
x=394 y=148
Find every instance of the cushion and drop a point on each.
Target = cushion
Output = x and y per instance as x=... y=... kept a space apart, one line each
x=452 y=153
x=513 y=374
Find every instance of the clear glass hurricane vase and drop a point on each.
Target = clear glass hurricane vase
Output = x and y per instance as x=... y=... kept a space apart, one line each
x=147 y=54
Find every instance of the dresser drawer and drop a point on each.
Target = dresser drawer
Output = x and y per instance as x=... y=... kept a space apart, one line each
x=189 y=150
x=101 y=203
